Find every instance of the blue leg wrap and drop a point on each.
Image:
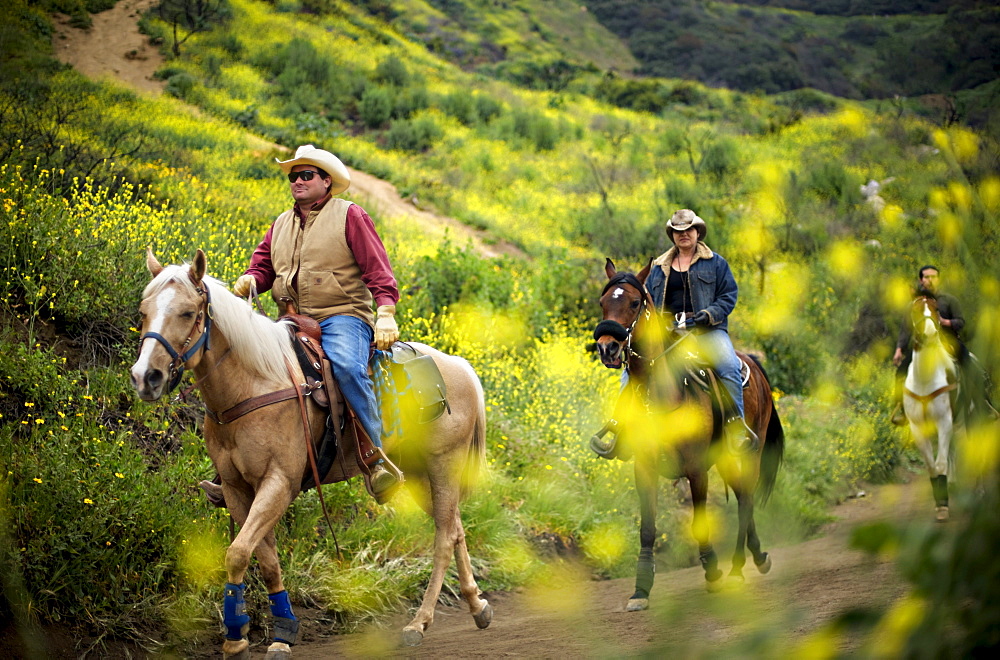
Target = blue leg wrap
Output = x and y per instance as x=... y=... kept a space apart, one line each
x=286 y=626
x=234 y=612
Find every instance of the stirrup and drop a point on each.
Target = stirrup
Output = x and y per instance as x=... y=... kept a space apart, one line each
x=740 y=438
x=898 y=417
x=606 y=448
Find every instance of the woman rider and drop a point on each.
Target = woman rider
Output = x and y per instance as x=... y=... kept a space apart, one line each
x=697 y=286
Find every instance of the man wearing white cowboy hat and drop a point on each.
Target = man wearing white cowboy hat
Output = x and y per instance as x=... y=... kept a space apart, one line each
x=325 y=255
x=697 y=286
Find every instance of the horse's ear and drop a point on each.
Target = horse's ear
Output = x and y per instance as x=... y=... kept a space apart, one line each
x=152 y=264
x=644 y=273
x=199 y=266
x=609 y=268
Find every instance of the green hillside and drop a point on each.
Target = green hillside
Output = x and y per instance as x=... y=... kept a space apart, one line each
x=101 y=526
x=859 y=50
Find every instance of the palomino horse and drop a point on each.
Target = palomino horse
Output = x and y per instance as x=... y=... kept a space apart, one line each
x=930 y=396
x=673 y=431
x=262 y=456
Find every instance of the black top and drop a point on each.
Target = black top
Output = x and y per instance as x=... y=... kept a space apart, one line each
x=678 y=299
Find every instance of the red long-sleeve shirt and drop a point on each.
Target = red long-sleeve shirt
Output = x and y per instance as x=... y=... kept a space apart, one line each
x=364 y=241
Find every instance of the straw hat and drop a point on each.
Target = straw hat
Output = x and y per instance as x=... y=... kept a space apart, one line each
x=310 y=155
x=683 y=220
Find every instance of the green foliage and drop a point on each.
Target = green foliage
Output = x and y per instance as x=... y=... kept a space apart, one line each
x=568 y=177
x=416 y=135
x=376 y=106
x=392 y=71
x=905 y=48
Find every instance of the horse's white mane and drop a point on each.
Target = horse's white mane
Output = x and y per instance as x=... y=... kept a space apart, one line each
x=257 y=342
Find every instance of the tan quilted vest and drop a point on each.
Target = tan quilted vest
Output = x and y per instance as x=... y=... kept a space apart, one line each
x=318 y=258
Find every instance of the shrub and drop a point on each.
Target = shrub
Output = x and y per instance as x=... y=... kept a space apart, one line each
x=376 y=106
x=392 y=71
x=413 y=135
x=180 y=84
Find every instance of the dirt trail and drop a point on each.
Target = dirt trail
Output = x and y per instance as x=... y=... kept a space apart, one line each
x=114 y=48
x=810 y=584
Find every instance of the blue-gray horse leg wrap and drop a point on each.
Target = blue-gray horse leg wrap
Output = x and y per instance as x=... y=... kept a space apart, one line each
x=234 y=612
x=645 y=567
x=286 y=626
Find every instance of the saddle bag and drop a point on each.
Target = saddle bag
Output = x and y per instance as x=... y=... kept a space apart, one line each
x=416 y=384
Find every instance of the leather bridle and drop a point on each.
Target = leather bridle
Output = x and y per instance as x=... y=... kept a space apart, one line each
x=188 y=350
x=615 y=329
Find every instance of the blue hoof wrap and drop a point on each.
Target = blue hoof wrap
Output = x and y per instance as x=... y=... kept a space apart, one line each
x=234 y=612
x=286 y=626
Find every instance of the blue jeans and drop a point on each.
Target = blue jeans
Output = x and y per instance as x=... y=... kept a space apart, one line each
x=717 y=348
x=346 y=342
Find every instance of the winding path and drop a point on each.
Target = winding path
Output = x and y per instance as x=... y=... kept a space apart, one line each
x=114 y=48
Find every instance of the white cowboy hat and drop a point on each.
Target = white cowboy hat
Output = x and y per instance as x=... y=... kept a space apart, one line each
x=310 y=155
x=683 y=220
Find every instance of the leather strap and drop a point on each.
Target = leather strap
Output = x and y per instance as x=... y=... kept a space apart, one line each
x=253 y=403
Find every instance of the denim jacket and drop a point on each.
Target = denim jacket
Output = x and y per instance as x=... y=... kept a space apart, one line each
x=713 y=287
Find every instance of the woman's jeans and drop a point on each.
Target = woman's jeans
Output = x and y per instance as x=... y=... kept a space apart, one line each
x=717 y=348
x=347 y=344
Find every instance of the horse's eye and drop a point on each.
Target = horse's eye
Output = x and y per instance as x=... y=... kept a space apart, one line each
x=635 y=304
x=187 y=315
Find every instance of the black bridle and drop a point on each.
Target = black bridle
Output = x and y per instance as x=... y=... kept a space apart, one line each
x=179 y=359
x=615 y=329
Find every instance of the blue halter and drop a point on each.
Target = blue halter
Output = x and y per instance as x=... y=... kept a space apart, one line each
x=180 y=359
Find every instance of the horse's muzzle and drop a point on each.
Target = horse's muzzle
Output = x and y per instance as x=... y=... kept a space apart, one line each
x=611 y=352
x=148 y=384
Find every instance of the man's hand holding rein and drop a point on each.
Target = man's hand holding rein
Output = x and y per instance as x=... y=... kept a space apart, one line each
x=386 y=330
x=241 y=287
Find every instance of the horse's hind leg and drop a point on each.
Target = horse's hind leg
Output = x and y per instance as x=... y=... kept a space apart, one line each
x=444 y=510
x=761 y=560
x=745 y=535
x=481 y=610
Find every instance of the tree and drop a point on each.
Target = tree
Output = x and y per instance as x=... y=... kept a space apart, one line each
x=192 y=16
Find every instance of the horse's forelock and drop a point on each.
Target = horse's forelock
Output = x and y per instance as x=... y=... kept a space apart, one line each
x=169 y=274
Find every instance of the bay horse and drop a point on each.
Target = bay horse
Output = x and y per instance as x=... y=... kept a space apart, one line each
x=190 y=320
x=672 y=431
x=930 y=397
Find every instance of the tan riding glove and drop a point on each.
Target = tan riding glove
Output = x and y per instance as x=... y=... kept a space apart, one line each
x=386 y=330
x=242 y=285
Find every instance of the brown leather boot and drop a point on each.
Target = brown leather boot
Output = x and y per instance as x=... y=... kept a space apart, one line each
x=383 y=483
x=213 y=492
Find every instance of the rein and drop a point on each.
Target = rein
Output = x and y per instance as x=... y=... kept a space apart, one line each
x=179 y=359
x=311 y=452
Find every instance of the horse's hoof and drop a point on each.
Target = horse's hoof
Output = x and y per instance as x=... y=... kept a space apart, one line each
x=941 y=515
x=764 y=566
x=412 y=636
x=714 y=586
x=484 y=617
x=637 y=604
x=279 y=651
x=236 y=649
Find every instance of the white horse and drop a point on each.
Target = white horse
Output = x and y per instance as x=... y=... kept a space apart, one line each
x=929 y=397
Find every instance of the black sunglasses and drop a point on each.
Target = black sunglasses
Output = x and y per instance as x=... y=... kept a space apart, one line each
x=305 y=175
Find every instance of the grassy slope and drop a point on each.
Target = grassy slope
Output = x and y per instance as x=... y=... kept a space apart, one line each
x=541 y=387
